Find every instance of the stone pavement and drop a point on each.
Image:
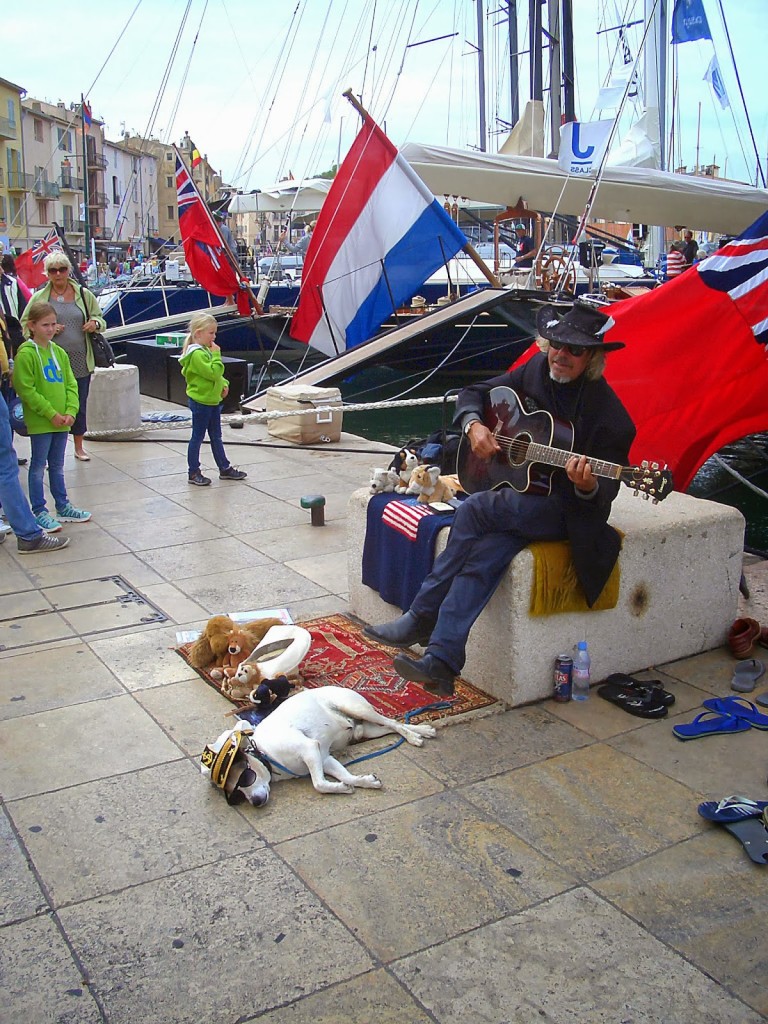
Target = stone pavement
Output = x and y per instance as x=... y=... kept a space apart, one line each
x=541 y=864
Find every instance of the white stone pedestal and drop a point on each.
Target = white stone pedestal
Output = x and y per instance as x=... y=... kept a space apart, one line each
x=114 y=402
x=680 y=570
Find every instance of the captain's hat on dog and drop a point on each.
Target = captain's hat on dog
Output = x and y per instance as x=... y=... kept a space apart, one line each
x=218 y=757
x=583 y=324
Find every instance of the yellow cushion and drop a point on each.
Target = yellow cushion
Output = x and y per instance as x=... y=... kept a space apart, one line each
x=555 y=586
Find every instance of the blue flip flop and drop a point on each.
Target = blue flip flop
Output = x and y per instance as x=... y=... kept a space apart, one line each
x=732 y=808
x=709 y=723
x=740 y=707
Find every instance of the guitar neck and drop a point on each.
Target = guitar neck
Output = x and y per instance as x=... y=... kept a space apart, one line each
x=559 y=457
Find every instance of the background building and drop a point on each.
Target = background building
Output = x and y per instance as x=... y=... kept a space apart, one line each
x=131 y=213
x=12 y=178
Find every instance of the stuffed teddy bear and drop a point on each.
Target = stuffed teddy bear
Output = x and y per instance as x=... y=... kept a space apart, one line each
x=240 y=645
x=383 y=481
x=210 y=648
x=404 y=464
x=429 y=485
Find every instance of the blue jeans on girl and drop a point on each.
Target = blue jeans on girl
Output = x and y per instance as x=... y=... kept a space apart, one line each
x=47 y=449
x=205 y=418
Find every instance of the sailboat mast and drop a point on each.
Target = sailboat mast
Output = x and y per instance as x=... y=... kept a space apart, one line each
x=534 y=49
x=514 y=78
x=569 y=87
x=481 y=76
x=555 y=74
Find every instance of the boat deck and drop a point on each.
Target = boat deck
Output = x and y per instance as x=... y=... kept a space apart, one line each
x=541 y=864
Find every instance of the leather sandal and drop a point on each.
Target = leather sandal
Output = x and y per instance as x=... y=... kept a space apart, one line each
x=742 y=637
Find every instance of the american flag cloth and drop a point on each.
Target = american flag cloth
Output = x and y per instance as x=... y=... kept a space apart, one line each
x=404 y=516
x=694 y=373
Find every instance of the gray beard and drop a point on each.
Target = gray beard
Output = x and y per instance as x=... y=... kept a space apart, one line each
x=559 y=380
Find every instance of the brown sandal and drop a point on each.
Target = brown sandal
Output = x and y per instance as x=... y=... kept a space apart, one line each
x=742 y=637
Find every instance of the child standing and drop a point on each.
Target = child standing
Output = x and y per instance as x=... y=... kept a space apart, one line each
x=203 y=370
x=43 y=380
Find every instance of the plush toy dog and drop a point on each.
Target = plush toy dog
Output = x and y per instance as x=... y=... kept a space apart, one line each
x=383 y=481
x=404 y=464
x=210 y=648
x=429 y=485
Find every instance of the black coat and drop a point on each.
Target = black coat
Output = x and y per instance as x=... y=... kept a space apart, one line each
x=602 y=429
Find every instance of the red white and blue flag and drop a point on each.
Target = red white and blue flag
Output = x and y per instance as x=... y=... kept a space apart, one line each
x=379 y=236
x=204 y=249
x=29 y=264
x=694 y=373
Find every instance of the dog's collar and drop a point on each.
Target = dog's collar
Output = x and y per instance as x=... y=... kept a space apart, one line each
x=273 y=765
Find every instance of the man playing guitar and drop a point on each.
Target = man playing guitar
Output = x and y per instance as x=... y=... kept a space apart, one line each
x=563 y=384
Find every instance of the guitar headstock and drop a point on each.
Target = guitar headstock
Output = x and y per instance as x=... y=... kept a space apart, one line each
x=650 y=480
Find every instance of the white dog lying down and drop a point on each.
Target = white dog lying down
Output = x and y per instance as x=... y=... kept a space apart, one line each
x=297 y=738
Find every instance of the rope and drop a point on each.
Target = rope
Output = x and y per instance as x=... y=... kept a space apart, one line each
x=742 y=479
x=265 y=417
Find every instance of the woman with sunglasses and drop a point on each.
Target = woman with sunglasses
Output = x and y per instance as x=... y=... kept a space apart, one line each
x=79 y=316
x=564 y=379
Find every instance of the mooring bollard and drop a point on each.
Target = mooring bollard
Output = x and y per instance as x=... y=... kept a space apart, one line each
x=316 y=504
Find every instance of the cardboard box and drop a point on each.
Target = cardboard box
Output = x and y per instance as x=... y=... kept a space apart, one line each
x=174 y=338
x=308 y=426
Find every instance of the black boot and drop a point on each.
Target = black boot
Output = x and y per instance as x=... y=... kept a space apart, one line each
x=409 y=629
x=431 y=673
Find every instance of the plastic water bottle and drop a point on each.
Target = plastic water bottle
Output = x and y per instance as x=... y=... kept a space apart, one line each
x=580 y=676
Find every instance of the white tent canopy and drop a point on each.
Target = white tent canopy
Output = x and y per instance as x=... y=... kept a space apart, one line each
x=626 y=194
x=307 y=195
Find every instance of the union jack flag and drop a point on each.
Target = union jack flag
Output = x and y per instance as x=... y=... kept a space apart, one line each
x=29 y=264
x=691 y=376
x=203 y=247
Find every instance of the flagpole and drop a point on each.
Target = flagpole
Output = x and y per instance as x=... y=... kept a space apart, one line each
x=469 y=249
x=70 y=255
x=232 y=259
x=87 y=217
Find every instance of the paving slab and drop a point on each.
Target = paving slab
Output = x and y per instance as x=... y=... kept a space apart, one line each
x=41 y=680
x=133 y=569
x=439 y=865
x=169 y=950
x=205 y=557
x=191 y=712
x=114 y=833
x=572 y=958
x=16 y=634
x=93 y=741
x=587 y=809
x=20 y=894
x=286 y=542
x=264 y=586
x=181 y=529
x=328 y=570
x=142 y=660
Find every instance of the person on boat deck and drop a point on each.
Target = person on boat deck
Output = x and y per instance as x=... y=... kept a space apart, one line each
x=675 y=260
x=300 y=248
x=524 y=247
x=690 y=248
x=490 y=527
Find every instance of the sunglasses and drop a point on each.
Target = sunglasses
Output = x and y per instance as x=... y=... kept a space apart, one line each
x=247 y=778
x=575 y=350
x=58 y=270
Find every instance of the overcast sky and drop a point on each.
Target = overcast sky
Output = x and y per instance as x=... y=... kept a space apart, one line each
x=262 y=96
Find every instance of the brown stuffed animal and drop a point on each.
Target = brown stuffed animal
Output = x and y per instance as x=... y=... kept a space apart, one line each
x=210 y=649
x=429 y=485
x=241 y=645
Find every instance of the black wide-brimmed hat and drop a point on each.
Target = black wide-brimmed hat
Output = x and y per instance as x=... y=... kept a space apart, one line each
x=583 y=324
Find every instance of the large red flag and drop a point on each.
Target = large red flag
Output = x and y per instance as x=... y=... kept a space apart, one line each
x=206 y=258
x=29 y=264
x=694 y=374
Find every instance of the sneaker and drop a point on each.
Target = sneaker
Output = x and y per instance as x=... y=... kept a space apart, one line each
x=4 y=531
x=70 y=514
x=47 y=523
x=198 y=479
x=230 y=473
x=42 y=543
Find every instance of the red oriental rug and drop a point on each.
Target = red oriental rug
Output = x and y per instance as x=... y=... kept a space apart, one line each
x=341 y=656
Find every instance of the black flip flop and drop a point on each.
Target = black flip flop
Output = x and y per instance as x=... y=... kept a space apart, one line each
x=665 y=697
x=753 y=836
x=640 y=703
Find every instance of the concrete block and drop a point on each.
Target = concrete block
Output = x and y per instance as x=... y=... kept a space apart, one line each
x=114 y=402
x=680 y=569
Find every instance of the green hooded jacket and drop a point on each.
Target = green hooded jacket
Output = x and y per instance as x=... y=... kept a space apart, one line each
x=43 y=380
x=203 y=371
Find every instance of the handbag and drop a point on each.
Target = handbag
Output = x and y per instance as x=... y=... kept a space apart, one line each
x=103 y=356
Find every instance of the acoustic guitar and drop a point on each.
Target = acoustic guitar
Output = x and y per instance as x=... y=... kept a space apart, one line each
x=531 y=442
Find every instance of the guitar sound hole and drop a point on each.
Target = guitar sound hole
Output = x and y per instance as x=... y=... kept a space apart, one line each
x=518 y=449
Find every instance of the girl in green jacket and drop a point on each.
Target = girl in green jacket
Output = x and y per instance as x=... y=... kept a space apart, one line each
x=43 y=380
x=203 y=370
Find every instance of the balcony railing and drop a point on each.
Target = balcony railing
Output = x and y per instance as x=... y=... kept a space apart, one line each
x=74 y=227
x=46 y=189
x=68 y=183
x=99 y=200
x=7 y=129
x=97 y=160
x=19 y=182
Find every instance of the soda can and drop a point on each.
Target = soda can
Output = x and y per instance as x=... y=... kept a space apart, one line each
x=563 y=675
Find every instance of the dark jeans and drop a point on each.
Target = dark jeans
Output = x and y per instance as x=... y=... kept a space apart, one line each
x=205 y=418
x=47 y=450
x=488 y=530
x=79 y=427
